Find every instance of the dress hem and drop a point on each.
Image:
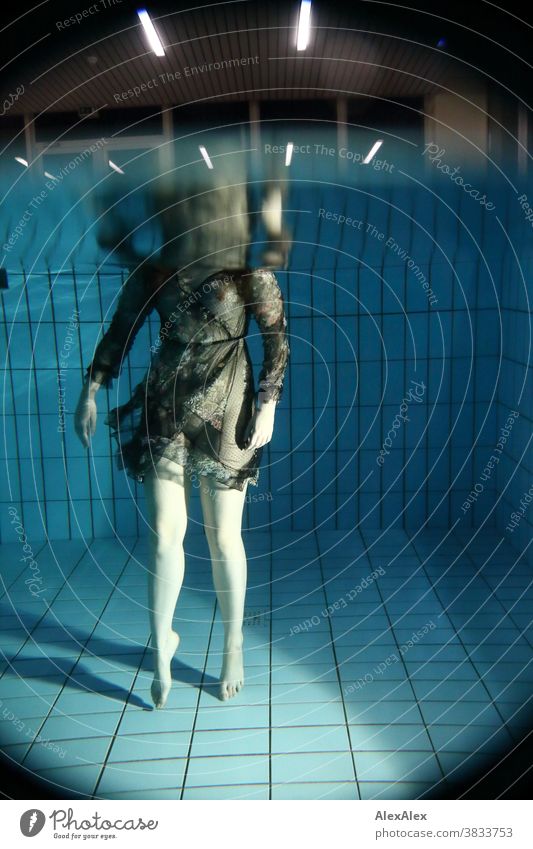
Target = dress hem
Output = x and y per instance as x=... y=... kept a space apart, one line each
x=137 y=460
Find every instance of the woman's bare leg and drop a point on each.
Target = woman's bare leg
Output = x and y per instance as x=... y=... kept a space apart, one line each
x=166 y=502
x=222 y=509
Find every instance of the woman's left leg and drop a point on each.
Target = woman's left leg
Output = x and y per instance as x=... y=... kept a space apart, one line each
x=222 y=509
x=167 y=490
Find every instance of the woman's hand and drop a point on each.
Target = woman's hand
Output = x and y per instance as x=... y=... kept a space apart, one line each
x=260 y=426
x=85 y=416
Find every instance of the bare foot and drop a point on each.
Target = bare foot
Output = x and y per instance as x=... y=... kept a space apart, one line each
x=162 y=676
x=232 y=674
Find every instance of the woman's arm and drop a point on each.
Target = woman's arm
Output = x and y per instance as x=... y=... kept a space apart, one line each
x=135 y=302
x=265 y=300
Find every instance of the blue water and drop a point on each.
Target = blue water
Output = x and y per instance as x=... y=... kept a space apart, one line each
x=405 y=421
x=423 y=286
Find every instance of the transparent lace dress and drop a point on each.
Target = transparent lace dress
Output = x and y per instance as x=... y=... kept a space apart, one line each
x=198 y=395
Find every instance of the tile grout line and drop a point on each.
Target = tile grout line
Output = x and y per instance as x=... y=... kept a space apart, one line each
x=200 y=690
x=346 y=725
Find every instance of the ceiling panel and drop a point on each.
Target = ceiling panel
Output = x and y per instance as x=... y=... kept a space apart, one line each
x=340 y=58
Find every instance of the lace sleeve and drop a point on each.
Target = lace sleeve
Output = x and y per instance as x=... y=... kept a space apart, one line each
x=134 y=305
x=265 y=302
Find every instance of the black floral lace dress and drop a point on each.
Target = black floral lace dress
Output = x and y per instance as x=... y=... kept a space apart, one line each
x=198 y=395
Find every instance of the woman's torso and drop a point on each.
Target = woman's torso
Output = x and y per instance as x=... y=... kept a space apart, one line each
x=203 y=309
x=202 y=332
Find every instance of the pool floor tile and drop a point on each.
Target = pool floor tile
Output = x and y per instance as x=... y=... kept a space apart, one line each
x=229 y=791
x=63 y=753
x=322 y=766
x=315 y=720
x=240 y=769
x=394 y=790
x=396 y=766
x=153 y=773
x=240 y=741
x=80 y=779
x=308 y=714
x=82 y=725
x=473 y=738
x=397 y=713
x=376 y=738
x=145 y=793
x=135 y=747
x=319 y=738
x=460 y=713
x=225 y=715
x=139 y=721
x=315 y=790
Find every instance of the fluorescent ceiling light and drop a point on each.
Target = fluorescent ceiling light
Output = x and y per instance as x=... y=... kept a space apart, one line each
x=288 y=153
x=115 y=167
x=205 y=154
x=372 y=152
x=50 y=176
x=152 y=36
x=304 y=25
x=22 y=161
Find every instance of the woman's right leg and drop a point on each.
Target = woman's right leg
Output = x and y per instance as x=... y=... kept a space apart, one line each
x=167 y=490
